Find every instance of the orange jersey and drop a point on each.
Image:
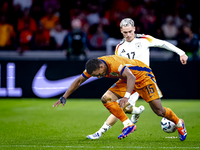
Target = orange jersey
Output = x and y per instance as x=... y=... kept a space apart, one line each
x=117 y=64
x=49 y=23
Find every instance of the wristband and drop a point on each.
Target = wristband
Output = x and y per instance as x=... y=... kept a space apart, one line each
x=127 y=95
x=62 y=99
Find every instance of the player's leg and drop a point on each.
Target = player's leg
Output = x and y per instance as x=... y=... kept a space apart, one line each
x=100 y=132
x=152 y=94
x=111 y=120
x=132 y=109
x=109 y=101
x=170 y=115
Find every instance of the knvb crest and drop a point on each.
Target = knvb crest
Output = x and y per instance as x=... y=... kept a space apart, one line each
x=114 y=74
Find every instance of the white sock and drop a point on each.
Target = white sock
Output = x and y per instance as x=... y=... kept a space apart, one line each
x=104 y=128
x=136 y=110
x=179 y=124
x=127 y=123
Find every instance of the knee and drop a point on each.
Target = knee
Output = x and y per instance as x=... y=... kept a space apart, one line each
x=109 y=97
x=128 y=110
x=105 y=99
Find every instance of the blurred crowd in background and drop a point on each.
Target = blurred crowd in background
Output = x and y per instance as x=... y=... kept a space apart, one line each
x=78 y=25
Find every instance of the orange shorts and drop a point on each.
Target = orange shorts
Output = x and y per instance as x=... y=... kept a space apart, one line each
x=148 y=93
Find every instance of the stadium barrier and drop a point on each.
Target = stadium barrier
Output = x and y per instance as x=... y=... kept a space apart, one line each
x=50 y=79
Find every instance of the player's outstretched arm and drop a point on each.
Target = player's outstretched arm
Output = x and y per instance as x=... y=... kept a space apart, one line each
x=170 y=47
x=70 y=90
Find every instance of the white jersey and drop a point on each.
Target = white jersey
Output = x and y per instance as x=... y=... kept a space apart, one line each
x=138 y=48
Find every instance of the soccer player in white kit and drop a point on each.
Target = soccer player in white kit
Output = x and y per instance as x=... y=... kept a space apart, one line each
x=135 y=46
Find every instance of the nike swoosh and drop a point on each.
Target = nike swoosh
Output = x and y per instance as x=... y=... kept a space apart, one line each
x=151 y=96
x=44 y=88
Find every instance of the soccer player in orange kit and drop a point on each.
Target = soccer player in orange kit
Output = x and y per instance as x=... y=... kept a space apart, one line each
x=135 y=46
x=134 y=76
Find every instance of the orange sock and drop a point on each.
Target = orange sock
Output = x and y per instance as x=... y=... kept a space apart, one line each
x=114 y=109
x=169 y=114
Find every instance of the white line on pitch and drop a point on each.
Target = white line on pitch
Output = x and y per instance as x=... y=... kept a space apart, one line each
x=105 y=147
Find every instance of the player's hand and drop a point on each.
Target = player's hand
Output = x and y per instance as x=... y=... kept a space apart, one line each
x=61 y=100
x=123 y=102
x=183 y=59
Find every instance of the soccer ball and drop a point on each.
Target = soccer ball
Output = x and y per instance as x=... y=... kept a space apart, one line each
x=168 y=126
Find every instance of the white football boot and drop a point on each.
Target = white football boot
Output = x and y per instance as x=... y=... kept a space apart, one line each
x=135 y=117
x=94 y=136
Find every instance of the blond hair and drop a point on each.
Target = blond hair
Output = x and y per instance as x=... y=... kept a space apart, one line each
x=126 y=22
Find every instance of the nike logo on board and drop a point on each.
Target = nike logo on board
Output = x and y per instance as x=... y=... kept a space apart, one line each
x=44 y=88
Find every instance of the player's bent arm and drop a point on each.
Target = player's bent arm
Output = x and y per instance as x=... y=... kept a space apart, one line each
x=130 y=86
x=130 y=80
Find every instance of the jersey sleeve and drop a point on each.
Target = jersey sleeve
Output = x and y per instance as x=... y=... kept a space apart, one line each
x=85 y=74
x=118 y=66
x=117 y=50
x=166 y=45
x=121 y=69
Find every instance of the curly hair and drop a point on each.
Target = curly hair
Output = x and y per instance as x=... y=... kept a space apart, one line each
x=92 y=65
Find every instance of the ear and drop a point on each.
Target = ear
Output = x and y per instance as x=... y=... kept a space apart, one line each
x=101 y=65
x=120 y=30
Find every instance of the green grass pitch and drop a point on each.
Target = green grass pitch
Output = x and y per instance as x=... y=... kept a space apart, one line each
x=34 y=124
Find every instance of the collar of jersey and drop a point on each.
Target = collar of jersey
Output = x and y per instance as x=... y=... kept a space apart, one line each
x=107 y=71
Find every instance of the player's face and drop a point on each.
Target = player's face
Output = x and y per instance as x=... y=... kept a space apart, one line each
x=128 y=32
x=101 y=72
